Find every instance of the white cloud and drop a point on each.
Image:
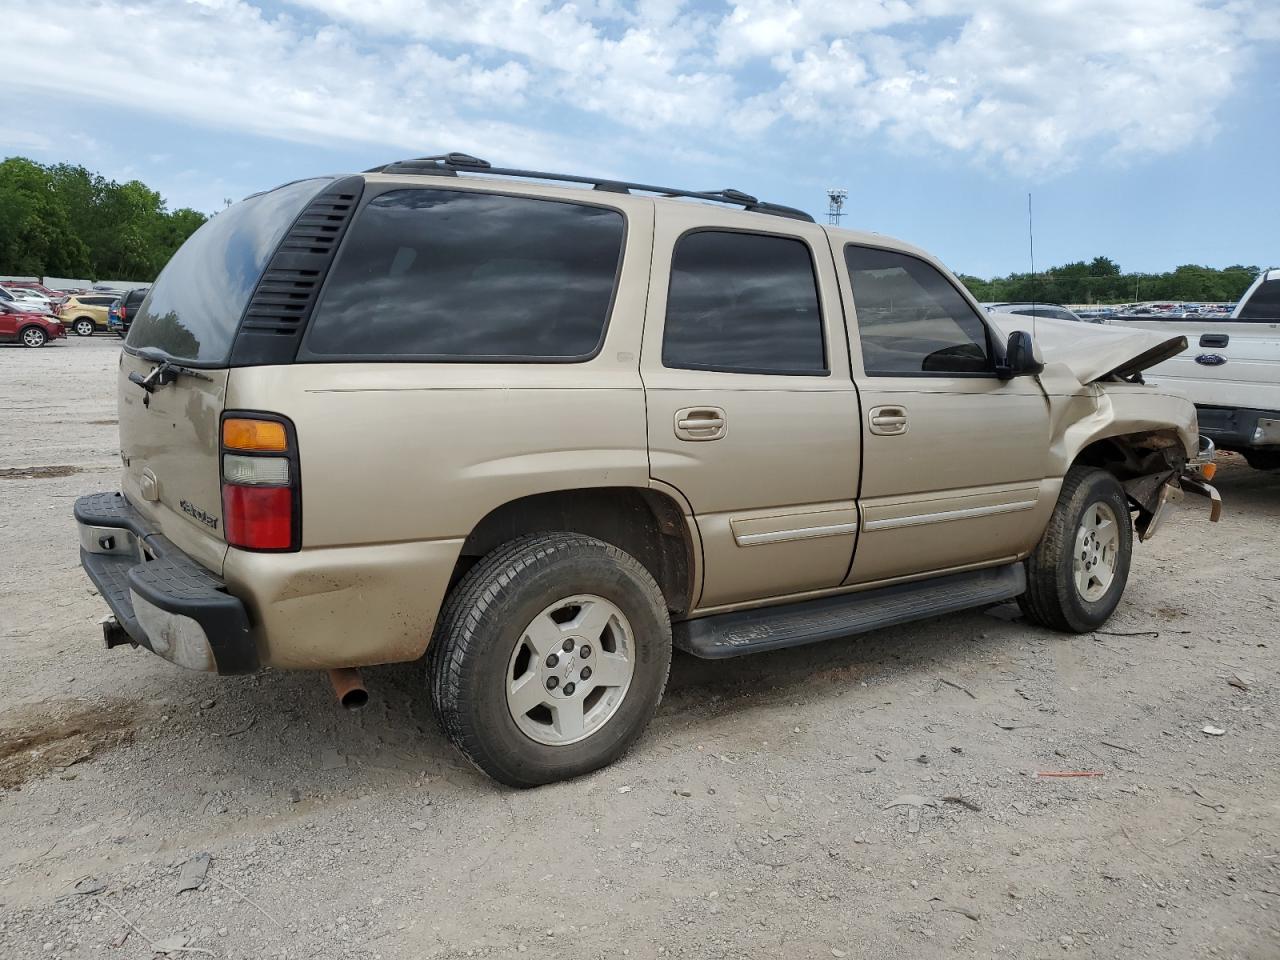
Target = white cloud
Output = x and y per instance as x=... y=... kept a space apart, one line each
x=1026 y=87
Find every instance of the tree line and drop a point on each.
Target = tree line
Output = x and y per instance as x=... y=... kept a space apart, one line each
x=63 y=220
x=1101 y=280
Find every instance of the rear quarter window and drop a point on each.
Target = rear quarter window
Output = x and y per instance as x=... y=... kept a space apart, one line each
x=1264 y=304
x=194 y=308
x=428 y=274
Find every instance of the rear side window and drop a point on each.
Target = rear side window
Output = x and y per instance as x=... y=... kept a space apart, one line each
x=911 y=320
x=194 y=308
x=462 y=275
x=1264 y=304
x=743 y=303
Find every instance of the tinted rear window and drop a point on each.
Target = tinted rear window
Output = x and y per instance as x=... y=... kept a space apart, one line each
x=194 y=308
x=461 y=275
x=1264 y=304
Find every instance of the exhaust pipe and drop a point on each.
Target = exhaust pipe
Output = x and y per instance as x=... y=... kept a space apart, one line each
x=349 y=688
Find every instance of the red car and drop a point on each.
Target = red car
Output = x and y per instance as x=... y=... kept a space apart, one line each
x=29 y=329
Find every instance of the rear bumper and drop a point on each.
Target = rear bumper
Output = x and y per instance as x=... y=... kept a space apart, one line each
x=1236 y=428
x=162 y=598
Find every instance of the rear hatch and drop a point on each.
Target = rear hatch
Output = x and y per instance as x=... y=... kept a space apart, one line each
x=169 y=434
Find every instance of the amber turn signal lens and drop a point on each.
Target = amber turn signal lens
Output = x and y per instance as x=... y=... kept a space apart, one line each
x=1208 y=470
x=262 y=435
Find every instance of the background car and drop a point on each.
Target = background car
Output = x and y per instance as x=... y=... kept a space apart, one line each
x=120 y=314
x=20 y=325
x=23 y=298
x=85 y=313
x=53 y=295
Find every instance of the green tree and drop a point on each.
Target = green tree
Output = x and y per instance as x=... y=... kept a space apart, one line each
x=65 y=220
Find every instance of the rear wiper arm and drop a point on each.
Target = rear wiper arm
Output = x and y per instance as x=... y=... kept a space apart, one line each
x=167 y=369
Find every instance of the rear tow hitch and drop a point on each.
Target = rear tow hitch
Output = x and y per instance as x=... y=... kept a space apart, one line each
x=115 y=635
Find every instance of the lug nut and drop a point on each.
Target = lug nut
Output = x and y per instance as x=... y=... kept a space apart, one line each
x=568 y=689
x=567 y=646
x=553 y=682
x=552 y=659
x=584 y=652
x=586 y=673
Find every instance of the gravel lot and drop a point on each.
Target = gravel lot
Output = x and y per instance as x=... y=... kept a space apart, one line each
x=755 y=819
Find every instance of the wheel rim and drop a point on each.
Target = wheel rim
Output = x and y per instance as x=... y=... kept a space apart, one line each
x=84 y=328
x=33 y=337
x=1097 y=550
x=570 y=670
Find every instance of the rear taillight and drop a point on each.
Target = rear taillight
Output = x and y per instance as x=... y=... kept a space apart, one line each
x=261 y=489
x=121 y=311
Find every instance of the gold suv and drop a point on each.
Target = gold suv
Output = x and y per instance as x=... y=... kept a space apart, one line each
x=537 y=429
x=85 y=312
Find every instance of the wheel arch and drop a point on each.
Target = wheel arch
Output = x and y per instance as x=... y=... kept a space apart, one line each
x=649 y=524
x=1143 y=461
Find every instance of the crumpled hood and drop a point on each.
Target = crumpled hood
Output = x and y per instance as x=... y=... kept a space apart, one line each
x=1092 y=351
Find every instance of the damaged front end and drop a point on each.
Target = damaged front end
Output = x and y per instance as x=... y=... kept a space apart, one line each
x=1109 y=418
x=1159 y=470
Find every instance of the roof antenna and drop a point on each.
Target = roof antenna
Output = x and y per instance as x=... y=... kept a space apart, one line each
x=1031 y=241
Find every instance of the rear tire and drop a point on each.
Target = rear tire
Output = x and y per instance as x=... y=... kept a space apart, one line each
x=1078 y=571
x=33 y=337
x=519 y=705
x=83 y=327
x=1263 y=459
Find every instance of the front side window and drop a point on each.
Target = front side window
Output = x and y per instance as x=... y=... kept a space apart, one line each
x=462 y=275
x=911 y=320
x=743 y=303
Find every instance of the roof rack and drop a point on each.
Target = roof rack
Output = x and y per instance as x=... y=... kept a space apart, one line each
x=449 y=164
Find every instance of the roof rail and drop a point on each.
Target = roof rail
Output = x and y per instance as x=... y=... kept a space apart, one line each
x=450 y=164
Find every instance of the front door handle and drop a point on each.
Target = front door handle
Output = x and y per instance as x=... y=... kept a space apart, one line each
x=888 y=421
x=701 y=423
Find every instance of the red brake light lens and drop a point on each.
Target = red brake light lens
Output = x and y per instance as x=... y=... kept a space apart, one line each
x=261 y=496
x=258 y=518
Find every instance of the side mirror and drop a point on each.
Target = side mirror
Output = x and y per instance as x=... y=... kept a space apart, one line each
x=1021 y=357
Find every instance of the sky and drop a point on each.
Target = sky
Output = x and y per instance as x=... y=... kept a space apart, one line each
x=1145 y=130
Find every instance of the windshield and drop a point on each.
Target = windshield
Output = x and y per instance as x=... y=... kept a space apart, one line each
x=194 y=308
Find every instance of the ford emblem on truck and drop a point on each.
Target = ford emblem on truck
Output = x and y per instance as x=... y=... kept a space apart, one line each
x=1211 y=359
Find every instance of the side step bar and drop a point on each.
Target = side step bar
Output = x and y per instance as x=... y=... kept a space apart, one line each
x=827 y=618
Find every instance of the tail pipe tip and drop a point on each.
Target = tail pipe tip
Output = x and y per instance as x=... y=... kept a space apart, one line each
x=349 y=688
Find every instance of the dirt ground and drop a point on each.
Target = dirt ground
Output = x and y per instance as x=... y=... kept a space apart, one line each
x=873 y=798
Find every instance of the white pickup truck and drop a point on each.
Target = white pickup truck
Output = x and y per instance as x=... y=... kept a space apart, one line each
x=1231 y=372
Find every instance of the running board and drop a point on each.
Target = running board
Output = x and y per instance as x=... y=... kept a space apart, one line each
x=827 y=618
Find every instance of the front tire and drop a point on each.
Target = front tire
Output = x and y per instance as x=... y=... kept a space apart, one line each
x=550 y=658
x=33 y=337
x=1078 y=571
x=83 y=327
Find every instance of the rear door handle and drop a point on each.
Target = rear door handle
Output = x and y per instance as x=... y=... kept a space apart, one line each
x=1214 y=340
x=700 y=423
x=888 y=421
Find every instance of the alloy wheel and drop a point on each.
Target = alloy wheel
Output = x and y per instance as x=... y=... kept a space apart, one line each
x=1097 y=548
x=570 y=670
